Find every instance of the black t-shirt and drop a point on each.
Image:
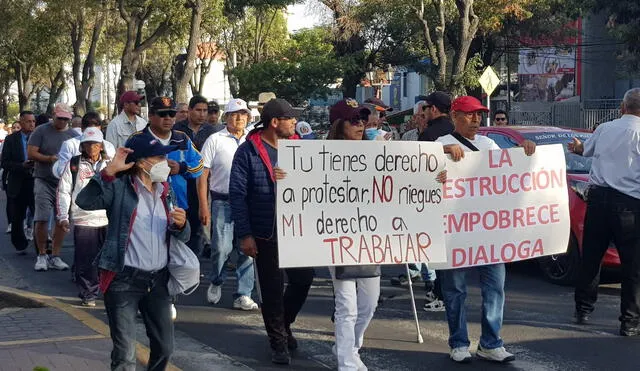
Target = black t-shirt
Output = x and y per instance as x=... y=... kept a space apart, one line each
x=272 y=152
x=437 y=128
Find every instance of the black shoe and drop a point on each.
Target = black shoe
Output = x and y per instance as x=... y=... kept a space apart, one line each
x=402 y=280
x=280 y=357
x=292 y=343
x=581 y=318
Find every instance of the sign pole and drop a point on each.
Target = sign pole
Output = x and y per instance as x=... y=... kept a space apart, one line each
x=489 y=107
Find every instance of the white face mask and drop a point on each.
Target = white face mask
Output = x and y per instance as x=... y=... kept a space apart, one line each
x=159 y=172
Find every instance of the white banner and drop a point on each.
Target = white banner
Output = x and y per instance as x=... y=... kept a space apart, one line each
x=359 y=202
x=503 y=206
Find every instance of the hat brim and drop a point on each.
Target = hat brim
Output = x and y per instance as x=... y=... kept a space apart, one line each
x=245 y=110
x=159 y=151
x=472 y=109
x=166 y=110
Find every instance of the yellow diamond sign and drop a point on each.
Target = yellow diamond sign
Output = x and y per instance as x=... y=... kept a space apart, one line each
x=489 y=80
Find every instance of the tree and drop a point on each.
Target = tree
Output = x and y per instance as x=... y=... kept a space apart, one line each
x=304 y=69
x=197 y=7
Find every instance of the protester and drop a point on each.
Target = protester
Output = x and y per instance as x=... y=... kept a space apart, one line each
x=500 y=118
x=20 y=181
x=418 y=121
x=304 y=130
x=436 y=109
x=71 y=147
x=15 y=127
x=198 y=130
x=43 y=147
x=42 y=119
x=90 y=227
x=213 y=116
x=467 y=116
x=356 y=288
x=613 y=212
x=182 y=112
x=253 y=200
x=128 y=121
x=134 y=190
x=218 y=152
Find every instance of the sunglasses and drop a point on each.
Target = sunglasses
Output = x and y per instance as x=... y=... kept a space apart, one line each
x=63 y=118
x=357 y=122
x=501 y=119
x=134 y=102
x=166 y=114
x=424 y=108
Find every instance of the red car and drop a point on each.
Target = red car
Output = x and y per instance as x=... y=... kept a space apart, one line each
x=560 y=269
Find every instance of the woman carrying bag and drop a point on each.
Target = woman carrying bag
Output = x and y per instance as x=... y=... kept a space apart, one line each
x=134 y=260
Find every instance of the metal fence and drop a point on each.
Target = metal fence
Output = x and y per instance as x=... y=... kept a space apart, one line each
x=583 y=115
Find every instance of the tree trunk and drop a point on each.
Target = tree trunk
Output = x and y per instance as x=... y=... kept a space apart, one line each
x=25 y=86
x=182 y=82
x=57 y=87
x=468 y=23
x=77 y=36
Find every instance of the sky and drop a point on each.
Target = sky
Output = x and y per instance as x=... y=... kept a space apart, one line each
x=304 y=15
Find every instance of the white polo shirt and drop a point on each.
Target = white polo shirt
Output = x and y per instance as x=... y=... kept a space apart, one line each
x=480 y=142
x=615 y=148
x=217 y=155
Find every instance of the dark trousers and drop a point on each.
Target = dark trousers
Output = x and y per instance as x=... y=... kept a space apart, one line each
x=279 y=310
x=611 y=215
x=19 y=204
x=87 y=241
x=197 y=239
x=130 y=290
x=8 y=209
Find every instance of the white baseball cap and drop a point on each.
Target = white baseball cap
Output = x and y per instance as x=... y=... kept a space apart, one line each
x=304 y=130
x=92 y=134
x=236 y=105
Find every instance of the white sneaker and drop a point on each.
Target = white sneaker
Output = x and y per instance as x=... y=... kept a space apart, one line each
x=245 y=303
x=460 y=355
x=28 y=233
x=214 y=293
x=41 y=263
x=9 y=228
x=56 y=263
x=174 y=312
x=495 y=355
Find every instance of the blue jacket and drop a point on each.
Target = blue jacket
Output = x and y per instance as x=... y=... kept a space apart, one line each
x=117 y=195
x=190 y=162
x=252 y=190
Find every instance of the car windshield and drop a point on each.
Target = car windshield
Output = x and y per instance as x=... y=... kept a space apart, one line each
x=576 y=164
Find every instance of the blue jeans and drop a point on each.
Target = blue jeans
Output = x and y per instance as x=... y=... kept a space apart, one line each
x=222 y=244
x=454 y=291
x=427 y=274
x=130 y=290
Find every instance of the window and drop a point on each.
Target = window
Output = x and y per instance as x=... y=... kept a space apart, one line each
x=502 y=141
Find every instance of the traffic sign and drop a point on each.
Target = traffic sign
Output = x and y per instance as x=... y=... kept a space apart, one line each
x=489 y=80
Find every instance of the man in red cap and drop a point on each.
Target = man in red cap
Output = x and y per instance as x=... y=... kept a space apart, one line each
x=466 y=113
x=128 y=121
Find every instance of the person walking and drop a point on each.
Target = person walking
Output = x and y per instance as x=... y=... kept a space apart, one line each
x=613 y=212
x=128 y=121
x=356 y=288
x=134 y=191
x=43 y=147
x=20 y=181
x=218 y=152
x=252 y=196
x=467 y=115
x=90 y=227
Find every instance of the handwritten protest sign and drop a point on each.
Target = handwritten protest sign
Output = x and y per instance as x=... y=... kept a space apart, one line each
x=504 y=206
x=359 y=202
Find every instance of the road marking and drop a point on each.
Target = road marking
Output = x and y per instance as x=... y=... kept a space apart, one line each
x=50 y=340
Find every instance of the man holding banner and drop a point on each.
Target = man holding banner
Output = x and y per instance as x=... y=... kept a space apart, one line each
x=467 y=115
x=252 y=195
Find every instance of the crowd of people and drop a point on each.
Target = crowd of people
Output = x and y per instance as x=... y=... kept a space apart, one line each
x=133 y=190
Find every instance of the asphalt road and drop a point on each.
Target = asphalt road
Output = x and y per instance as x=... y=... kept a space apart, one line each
x=538 y=325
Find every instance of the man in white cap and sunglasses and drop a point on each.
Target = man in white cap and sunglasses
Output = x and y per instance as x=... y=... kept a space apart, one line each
x=218 y=152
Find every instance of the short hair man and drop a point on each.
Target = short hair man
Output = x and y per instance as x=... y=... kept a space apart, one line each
x=467 y=113
x=182 y=112
x=43 y=148
x=418 y=121
x=128 y=121
x=500 y=118
x=252 y=197
x=218 y=152
x=436 y=110
x=19 y=171
x=71 y=147
x=613 y=212
x=185 y=161
x=213 y=115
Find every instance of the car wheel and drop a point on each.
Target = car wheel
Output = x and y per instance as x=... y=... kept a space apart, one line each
x=562 y=269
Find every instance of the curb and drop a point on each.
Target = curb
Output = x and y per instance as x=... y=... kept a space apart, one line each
x=142 y=352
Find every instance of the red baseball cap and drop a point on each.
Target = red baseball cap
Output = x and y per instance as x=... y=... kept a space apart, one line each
x=130 y=96
x=467 y=103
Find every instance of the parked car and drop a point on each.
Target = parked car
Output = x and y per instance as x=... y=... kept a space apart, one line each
x=563 y=268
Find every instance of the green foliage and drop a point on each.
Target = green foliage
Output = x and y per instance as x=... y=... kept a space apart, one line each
x=303 y=70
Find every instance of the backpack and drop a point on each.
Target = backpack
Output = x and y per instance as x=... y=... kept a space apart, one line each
x=74 y=164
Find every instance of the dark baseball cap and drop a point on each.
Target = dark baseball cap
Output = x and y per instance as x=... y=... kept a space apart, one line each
x=213 y=107
x=346 y=109
x=162 y=104
x=276 y=108
x=145 y=145
x=439 y=99
x=379 y=104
